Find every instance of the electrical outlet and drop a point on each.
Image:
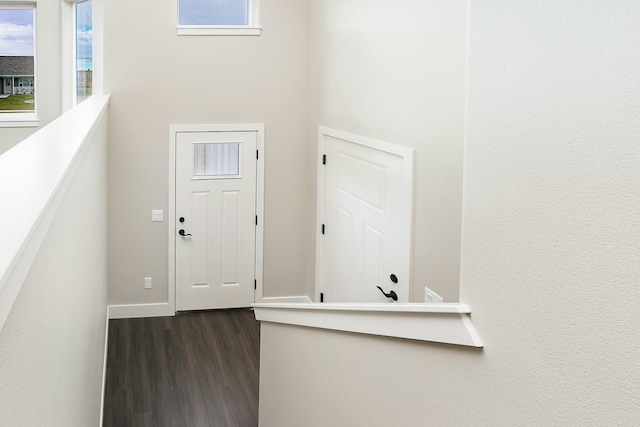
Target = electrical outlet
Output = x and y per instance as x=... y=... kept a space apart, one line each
x=147 y=282
x=157 y=215
x=431 y=297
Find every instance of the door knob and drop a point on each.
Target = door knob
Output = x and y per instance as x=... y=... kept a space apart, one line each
x=391 y=294
x=183 y=234
x=181 y=219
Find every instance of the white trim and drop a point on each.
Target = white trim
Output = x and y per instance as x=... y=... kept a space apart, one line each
x=218 y=30
x=68 y=54
x=60 y=146
x=443 y=323
x=259 y=262
x=320 y=210
x=30 y=119
x=252 y=29
x=406 y=153
x=135 y=311
x=18 y=4
x=171 y=217
x=24 y=121
x=171 y=220
x=104 y=366
x=431 y=297
x=293 y=299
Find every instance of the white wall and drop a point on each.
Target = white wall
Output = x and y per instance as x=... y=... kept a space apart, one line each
x=550 y=247
x=48 y=73
x=52 y=344
x=157 y=79
x=395 y=71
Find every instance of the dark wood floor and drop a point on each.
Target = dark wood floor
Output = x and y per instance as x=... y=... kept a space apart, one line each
x=195 y=369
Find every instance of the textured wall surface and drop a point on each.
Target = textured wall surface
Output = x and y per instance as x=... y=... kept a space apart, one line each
x=52 y=345
x=550 y=255
x=157 y=79
x=395 y=71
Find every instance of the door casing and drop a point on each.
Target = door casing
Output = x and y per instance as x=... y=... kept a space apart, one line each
x=171 y=217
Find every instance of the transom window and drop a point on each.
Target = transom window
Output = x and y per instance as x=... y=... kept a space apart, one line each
x=218 y=17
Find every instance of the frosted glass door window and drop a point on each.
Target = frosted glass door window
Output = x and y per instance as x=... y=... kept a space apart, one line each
x=211 y=160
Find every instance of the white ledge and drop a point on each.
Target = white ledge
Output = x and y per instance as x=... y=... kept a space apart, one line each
x=34 y=176
x=18 y=120
x=443 y=323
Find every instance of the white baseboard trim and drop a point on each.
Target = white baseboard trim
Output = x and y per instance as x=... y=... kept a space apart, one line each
x=104 y=366
x=134 y=311
x=303 y=298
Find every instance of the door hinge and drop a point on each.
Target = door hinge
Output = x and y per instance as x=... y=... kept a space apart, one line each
x=257 y=154
x=255 y=285
x=321 y=296
x=322 y=228
x=256 y=219
x=324 y=159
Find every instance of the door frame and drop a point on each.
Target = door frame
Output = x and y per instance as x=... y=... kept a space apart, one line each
x=407 y=155
x=171 y=217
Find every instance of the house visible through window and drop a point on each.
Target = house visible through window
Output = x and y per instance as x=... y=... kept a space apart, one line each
x=17 y=62
x=84 y=49
x=218 y=17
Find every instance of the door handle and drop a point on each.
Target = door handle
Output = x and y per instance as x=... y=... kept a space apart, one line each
x=391 y=294
x=183 y=234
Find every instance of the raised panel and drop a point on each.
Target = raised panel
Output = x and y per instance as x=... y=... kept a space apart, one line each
x=201 y=211
x=362 y=179
x=372 y=261
x=230 y=237
x=343 y=253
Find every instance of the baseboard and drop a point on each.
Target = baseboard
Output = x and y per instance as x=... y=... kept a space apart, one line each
x=133 y=311
x=303 y=299
x=104 y=366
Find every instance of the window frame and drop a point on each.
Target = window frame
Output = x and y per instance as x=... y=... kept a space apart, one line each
x=30 y=118
x=253 y=28
x=69 y=66
x=74 y=20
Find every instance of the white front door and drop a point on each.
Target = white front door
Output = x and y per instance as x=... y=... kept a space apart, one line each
x=365 y=219
x=215 y=219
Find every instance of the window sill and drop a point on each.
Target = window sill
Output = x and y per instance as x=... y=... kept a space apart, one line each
x=218 y=30
x=443 y=323
x=18 y=120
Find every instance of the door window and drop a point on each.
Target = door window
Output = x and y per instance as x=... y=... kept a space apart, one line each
x=216 y=160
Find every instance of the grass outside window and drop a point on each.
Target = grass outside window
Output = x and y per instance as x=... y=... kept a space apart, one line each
x=21 y=103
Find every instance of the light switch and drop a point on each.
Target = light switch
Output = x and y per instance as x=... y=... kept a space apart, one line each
x=157 y=216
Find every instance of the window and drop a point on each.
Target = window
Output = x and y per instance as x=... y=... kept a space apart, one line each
x=17 y=62
x=218 y=17
x=84 y=49
x=216 y=160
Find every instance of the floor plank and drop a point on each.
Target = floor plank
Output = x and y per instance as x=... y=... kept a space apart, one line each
x=194 y=369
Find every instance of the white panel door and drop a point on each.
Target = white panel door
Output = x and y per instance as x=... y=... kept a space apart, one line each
x=215 y=219
x=367 y=219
